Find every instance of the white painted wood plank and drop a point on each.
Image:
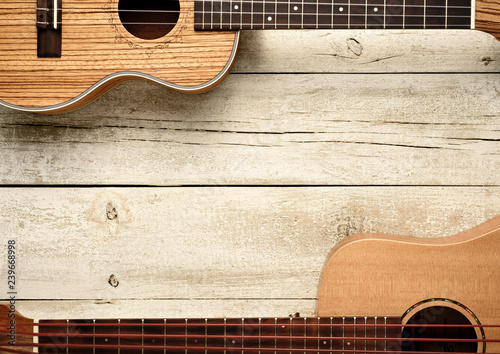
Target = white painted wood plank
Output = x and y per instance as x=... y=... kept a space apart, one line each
x=305 y=129
x=161 y=308
x=368 y=51
x=210 y=243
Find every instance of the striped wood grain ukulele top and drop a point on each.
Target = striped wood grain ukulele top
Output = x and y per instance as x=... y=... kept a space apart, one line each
x=378 y=294
x=58 y=55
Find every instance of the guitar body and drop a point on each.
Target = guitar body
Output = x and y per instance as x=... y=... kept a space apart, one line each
x=98 y=52
x=382 y=275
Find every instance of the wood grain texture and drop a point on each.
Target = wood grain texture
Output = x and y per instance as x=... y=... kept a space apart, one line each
x=488 y=16
x=362 y=51
x=463 y=268
x=211 y=243
x=96 y=45
x=306 y=129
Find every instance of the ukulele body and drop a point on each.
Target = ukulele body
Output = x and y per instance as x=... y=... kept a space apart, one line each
x=98 y=52
x=386 y=275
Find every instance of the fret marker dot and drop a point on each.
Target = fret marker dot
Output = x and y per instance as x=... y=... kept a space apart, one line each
x=295 y=8
x=324 y=342
x=375 y=9
x=348 y=343
x=233 y=342
x=236 y=7
x=269 y=18
x=341 y=9
x=105 y=339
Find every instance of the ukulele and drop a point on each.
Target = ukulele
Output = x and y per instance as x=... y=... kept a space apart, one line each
x=378 y=293
x=58 y=55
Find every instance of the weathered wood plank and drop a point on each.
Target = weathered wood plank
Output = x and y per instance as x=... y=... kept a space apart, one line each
x=210 y=243
x=306 y=129
x=167 y=308
x=367 y=51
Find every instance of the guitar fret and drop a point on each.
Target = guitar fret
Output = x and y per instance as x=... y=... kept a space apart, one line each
x=203 y=15
x=302 y=19
x=275 y=334
x=291 y=334
x=318 y=335
x=142 y=336
x=186 y=338
x=343 y=334
x=404 y=12
x=305 y=334
x=354 y=334
x=425 y=14
x=242 y=335
x=119 y=332
x=93 y=338
x=206 y=335
x=67 y=336
x=365 y=333
x=164 y=336
x=349 y=14
x=446 y=14
x=385 y=333
x=375 y=333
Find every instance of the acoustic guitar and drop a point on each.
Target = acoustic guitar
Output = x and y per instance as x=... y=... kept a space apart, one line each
x=378 y=294
x=58 y=55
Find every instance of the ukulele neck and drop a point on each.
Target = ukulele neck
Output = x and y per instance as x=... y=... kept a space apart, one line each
x=218 y=335
x=334 y=14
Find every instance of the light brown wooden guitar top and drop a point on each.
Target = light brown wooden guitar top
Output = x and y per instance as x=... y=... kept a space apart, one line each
x=375 y=274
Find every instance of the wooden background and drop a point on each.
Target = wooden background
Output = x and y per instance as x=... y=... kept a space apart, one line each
x=151 y=203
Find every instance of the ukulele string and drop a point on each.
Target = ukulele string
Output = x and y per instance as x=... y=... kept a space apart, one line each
x=234 y=24
x=66 y=348
x=182 y=324
x=251 y=337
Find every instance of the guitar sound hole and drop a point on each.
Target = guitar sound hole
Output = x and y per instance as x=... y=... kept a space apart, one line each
x=149 y=19
x=439 y=315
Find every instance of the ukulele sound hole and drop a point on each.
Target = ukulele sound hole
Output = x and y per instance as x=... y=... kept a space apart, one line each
x=149 y=19
x=439 y=315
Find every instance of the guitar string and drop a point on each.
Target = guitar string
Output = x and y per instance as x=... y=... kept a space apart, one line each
x=202 y=324
x=220 y=336
x=66 y=347
x=240 y=23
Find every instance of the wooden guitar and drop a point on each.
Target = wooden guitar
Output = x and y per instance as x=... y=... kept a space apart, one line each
x=378 y=293
x=58 y=55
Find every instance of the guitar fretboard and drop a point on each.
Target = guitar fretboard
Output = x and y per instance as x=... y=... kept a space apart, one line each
x=332 y=14
x=196 y=336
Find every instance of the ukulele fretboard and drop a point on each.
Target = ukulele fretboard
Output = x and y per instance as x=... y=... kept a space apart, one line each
x=332 y=14
x=194 y=336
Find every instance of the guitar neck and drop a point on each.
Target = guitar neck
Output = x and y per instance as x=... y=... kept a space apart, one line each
x=217 y=335
x=333 y=14
x=348 y=14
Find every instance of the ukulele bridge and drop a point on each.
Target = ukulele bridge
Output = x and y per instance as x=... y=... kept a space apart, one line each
x=48 y=23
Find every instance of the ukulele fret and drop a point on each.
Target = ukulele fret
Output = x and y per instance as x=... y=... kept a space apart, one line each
x=385 y=333
x=119 y=334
